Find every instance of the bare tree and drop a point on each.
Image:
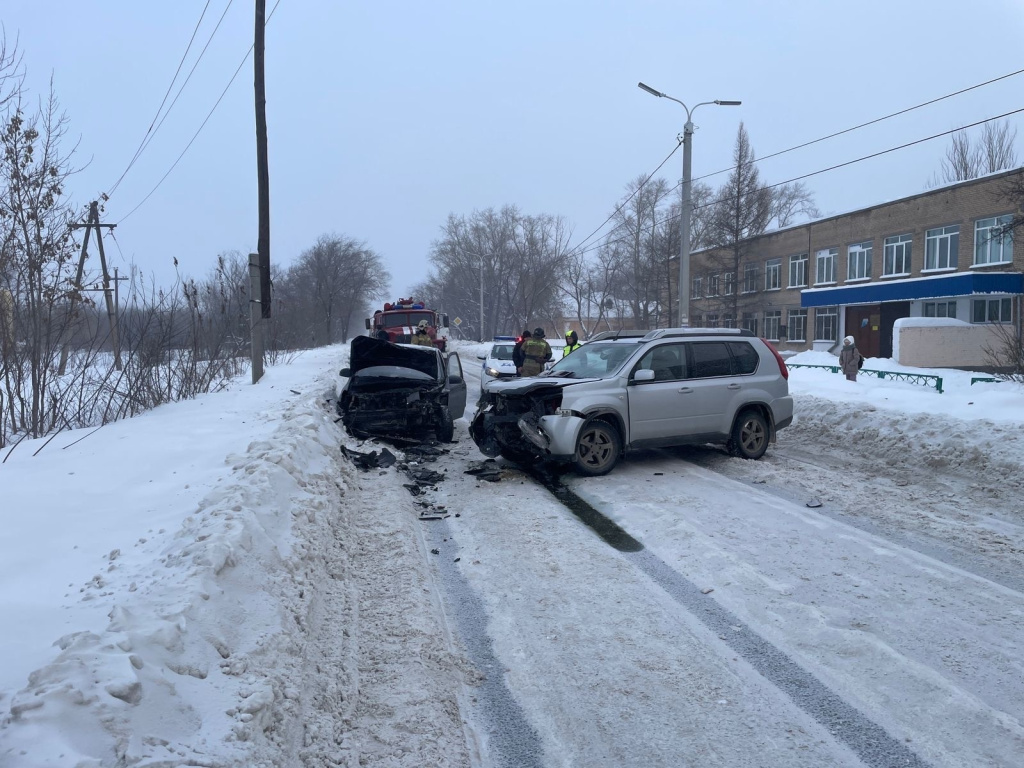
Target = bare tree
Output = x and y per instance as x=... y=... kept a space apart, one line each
x=743 y=208
x=968 y=159
x=333 y=282
x=791 y=202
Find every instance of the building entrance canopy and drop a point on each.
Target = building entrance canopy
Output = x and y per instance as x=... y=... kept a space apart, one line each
x=933 y=287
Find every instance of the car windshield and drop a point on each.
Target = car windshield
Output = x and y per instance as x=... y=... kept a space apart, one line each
x=399 y=319
x=502 y=351
x=594 y=360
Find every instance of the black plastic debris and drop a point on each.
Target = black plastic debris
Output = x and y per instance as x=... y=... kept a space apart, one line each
x=424 y=476
x=485 y=470
x=813 y=503
x=425 y=452
x=371 y=460
x=414 y=489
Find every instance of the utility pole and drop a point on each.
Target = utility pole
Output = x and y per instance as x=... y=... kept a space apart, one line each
x=93 y=224
x=263 y=184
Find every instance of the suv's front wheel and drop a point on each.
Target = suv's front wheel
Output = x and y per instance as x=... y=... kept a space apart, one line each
x=597 y=448
x=749 y=436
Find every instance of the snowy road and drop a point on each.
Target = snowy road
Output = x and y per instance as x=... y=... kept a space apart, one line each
x=261 y=601
x=898 y=601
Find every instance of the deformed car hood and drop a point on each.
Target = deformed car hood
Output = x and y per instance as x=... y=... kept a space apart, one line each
x=525 y=386
x=368 y=352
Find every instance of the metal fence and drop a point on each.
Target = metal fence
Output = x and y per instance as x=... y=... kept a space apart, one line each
x=925 y=379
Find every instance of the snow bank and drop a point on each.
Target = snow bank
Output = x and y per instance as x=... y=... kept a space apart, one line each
x=202 y=625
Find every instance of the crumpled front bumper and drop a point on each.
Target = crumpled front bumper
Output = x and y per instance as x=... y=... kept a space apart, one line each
x=551 y=437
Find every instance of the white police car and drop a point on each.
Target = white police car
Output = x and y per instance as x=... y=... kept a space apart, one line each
x=498 y=360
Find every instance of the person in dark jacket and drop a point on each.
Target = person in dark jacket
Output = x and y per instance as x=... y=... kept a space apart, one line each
x=517 y=352
x=850 y=359
x=536 y=352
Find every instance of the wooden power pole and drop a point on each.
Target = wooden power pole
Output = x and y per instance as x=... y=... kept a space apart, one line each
x=263 y=183
x=93 y=224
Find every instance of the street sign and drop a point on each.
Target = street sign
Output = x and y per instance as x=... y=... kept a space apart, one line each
x=458 y=321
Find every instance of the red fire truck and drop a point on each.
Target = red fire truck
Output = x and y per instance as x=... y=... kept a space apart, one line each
x=399 y=320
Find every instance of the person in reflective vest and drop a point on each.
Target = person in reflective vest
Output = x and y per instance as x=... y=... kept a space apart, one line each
x=536 y=352
x=572 y=343
x=420 y=337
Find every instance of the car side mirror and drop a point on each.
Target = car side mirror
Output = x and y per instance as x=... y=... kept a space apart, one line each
x=644 y=374
x=346 y=372
x=481 y=357
x=454 y=379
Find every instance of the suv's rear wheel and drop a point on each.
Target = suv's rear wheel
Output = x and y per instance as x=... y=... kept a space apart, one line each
x=749 y=436
x=597 y=448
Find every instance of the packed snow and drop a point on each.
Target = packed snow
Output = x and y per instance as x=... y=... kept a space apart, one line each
x=213 y=584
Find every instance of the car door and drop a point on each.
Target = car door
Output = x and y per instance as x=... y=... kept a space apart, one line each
x=658 y=409
x=712 y=386
x=456 y=387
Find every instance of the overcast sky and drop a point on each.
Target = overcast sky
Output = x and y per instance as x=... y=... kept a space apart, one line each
x=384 y=117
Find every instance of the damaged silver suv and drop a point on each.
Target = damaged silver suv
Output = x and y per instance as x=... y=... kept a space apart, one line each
x=672 y=386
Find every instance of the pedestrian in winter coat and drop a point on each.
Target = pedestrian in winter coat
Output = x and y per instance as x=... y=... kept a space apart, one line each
x=850 y=359
x=536 y=352
x=420 y=338
x=572 y=343
x=517 y=352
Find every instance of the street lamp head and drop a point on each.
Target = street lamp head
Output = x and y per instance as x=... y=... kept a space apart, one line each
x=721 y=103
x=650 y=90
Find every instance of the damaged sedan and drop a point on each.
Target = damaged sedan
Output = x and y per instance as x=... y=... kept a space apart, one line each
x=672 y=386
x=401 y=390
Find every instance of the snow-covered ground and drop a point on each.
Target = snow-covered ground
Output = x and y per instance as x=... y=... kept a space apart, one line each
x=213 y=584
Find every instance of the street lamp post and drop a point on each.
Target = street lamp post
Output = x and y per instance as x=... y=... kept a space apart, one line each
x=684 y=224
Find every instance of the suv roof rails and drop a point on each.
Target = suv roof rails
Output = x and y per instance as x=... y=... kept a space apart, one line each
x=625 y=334
x=662 y=333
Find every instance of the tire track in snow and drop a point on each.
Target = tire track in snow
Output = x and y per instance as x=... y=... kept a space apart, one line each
x=868 y=740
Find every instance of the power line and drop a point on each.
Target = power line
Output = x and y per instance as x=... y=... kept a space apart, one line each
x=872 y=122
x=202 y=125
x=163 y=101
x=830 y=168
x=191 y=71
x=622 y=205
x=833 y=135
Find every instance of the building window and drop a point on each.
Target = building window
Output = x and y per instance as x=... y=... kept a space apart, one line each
x=697 y=291
x=940 y=309
x=697 y=321
x=711 y=320
x=712 y=285
x=825 y=262
x=993 y=240
x=772 y=319
x=798 y=325
x=729 y=283
x=826 y=323
x=896 y=260
x=749 y=278
x=941 y=246
x=991 y=311
x=728 y=321
x=798 y=271
x=749 y=322
x=773 y=274
x=858 y=261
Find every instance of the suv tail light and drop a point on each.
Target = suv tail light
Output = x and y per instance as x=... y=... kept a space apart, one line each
x=778 y=358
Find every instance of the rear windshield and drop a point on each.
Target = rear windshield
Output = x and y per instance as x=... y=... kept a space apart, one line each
x=502 y=351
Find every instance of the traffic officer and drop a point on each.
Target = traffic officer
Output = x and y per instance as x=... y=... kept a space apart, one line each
x=536 y=352
x=517 y=352
x=572 y=343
